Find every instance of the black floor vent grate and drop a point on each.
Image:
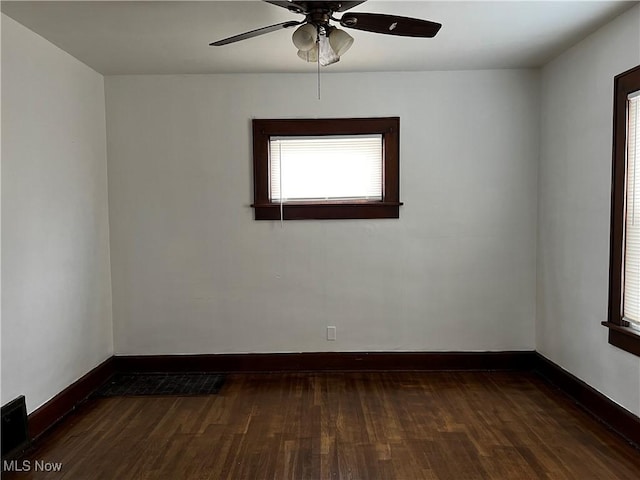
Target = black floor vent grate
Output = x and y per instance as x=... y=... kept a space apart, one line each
x=135 y=384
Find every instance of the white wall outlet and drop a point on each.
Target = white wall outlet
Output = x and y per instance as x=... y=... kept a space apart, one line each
x=331 y=333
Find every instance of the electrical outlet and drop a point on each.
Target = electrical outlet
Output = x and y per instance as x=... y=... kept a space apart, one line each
x=331 y=333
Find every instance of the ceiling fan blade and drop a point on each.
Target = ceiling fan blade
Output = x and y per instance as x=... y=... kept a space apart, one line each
x=390 y=24
x=255 y=33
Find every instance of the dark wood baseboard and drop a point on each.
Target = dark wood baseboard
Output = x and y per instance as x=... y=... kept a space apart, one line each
x=602 y=408
x=46 y=416
x=327 y=361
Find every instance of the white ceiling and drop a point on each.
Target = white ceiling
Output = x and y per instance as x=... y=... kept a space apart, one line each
x=120 y=37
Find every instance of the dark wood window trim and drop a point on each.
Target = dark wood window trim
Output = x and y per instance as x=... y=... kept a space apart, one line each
x=388 y=207
x=620 y=334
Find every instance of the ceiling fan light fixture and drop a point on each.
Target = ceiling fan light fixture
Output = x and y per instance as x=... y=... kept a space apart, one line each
x=309 y=55
x=304 y=38
x=340 y=41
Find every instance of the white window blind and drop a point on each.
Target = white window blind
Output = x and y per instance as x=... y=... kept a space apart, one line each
x=332 y=167
x=631 y=310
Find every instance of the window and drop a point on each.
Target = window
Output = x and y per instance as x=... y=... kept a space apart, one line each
x=326 y=168
x=334 y=167
x=624 y=272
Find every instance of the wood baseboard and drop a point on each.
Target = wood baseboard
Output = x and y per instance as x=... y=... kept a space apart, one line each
x=327 y=361
x=46 y=416
x=602 y=408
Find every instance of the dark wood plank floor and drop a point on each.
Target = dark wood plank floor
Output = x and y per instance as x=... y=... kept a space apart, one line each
x=462 y=425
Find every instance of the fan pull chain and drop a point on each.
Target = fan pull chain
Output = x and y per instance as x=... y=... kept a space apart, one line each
x=318 y=63
x=318 y=78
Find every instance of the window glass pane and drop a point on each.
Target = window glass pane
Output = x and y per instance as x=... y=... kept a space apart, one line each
x=632 y=226
x=325 y=168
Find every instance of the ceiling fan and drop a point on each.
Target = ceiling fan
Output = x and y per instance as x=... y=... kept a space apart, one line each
x=319 y=41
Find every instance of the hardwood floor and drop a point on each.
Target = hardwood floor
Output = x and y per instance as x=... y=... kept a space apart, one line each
x=444 y=425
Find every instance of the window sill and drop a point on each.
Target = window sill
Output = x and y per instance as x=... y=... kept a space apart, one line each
x=624 y=338
x=327 y=211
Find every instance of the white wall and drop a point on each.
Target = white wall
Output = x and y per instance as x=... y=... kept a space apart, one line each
x=56 y=291
x=574 y=203
x=194 y=273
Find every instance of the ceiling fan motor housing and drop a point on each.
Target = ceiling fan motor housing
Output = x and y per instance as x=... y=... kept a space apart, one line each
x=319 y=17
